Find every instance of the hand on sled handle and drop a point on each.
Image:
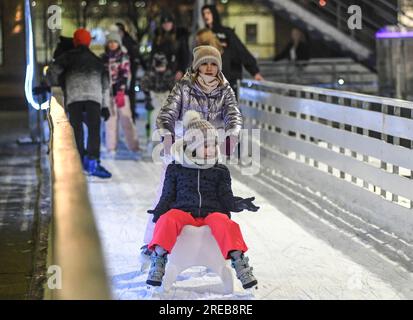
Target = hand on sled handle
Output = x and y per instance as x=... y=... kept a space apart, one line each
x=229 y=145
x=245 y=204
x=167 y=143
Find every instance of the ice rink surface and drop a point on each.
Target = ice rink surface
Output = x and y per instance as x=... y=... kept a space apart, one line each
x=288 y=261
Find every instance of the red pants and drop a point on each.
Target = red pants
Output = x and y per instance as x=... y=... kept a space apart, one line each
x=226 y=232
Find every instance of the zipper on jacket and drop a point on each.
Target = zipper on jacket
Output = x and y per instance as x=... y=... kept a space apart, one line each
x=199 y=192
x=208 y=109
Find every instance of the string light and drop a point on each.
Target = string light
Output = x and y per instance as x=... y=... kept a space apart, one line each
x=28 y=83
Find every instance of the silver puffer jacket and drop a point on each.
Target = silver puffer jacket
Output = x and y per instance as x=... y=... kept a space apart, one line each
x=219 y=107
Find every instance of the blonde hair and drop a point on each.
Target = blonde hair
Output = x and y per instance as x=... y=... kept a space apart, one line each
x=207 y=37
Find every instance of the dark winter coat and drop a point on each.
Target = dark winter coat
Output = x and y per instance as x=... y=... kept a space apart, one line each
x=85 y=76
x=65 y=44
x=177 y=52
x=158 y=81
x=234 y=50
x=198 y=191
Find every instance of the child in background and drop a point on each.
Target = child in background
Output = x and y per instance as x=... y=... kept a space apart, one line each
x=156 y=83
x=118 y=64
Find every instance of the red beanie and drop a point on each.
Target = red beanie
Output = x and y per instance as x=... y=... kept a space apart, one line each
x=82 y=37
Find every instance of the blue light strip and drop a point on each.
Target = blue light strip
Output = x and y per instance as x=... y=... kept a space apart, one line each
x=394 y=35
x=28 y=83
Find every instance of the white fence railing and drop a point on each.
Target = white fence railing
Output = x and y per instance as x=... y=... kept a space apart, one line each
x=355 y=149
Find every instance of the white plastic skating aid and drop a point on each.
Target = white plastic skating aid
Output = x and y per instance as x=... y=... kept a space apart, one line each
x=152 y=291
x=251 y=290
x=145 y=260
x=196 y=246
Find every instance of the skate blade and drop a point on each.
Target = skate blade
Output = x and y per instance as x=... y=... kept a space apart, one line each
x=155 y=284
x=252 y=288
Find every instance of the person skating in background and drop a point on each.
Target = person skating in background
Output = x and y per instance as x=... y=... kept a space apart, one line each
x=239 y=55
x=135 y=59
x=195 y=175
x=297 y=53
x=205 y=90
x=297 y=49
x=173 y=42
x=117 y=62
x=86 y=90
x=156 y=83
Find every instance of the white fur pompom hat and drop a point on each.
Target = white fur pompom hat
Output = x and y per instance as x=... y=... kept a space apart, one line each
x=202 y=130
x=195 y=126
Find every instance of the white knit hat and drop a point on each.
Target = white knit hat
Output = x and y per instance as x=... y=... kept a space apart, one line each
x=205 y=54
x=182 y=150
x=199 y=128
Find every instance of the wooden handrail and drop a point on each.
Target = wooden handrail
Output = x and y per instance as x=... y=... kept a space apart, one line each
x=76 y=247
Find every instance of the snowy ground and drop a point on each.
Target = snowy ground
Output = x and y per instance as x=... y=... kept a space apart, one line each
x=288 y=261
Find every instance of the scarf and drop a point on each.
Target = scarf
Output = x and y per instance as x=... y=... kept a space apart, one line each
x=207 y=83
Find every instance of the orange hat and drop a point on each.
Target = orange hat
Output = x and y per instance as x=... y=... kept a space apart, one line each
x=82 y=37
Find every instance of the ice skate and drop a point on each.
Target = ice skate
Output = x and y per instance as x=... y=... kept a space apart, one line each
x=244 y=271
x=157 y=269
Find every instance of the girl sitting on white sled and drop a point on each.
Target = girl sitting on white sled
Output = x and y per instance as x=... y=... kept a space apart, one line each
x=197 y=191
x=203 y=89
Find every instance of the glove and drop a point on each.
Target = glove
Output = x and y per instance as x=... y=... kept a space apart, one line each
x=229 y=145
x=105 y=113
x=155 y=216
x=120 y=98
x=168 y=141
x=245 y=204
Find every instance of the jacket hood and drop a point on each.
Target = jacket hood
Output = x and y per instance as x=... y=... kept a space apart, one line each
x=215 y=14
x=178 y=154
